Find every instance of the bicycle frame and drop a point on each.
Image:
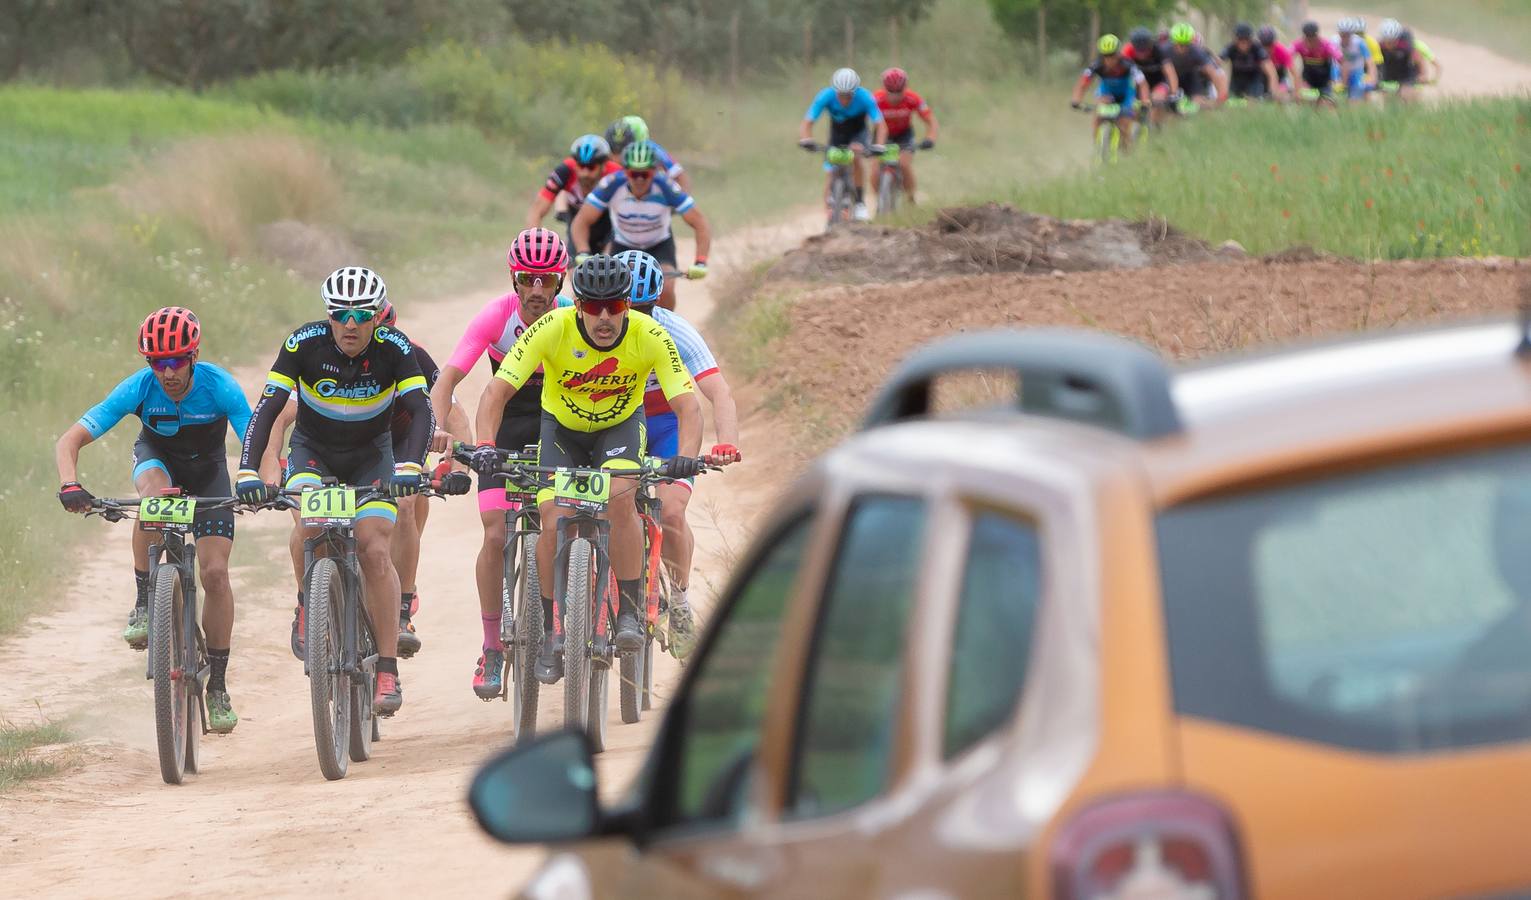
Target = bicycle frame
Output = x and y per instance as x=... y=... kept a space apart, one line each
x=174 y=550
x=339 y=542
x=597 y=530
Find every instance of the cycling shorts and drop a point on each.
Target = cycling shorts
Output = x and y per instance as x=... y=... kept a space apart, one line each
x=664 y=439
x=1251 y=86
x=370 y=465
x=851 y=131
x=1128 y=101
x=904 y=140
x=1355 y=83
x=515 y=433
x=619 y=447
x=664 y=251
x=1318 y=80
x=200 y=478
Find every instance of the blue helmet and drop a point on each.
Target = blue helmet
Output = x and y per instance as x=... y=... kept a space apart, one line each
x=589 y=148
x=648 y=277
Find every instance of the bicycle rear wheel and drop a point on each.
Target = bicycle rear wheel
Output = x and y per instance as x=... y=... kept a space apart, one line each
x=522 y=659
x=196 y=688
x=600 y=707
x=887 y=191
x=329 y=690
x=363 y=722
x=630 y=686
x=578 y=599
x=166 y=646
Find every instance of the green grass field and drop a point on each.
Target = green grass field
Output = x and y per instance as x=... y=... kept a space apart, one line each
x=18 y=760
x=1423 y=181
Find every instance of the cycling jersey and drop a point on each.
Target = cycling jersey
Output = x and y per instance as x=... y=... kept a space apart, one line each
x=1189 y=65
x=590 y=389
x=1355 y=51
x=899 y=115
x=863 y=107
x=564 y=179
x=402 y=418
x=1424 y=50
x=1118 y=82
x=1151 y=64
x=694 y=352
x=1318 y=58
x=1245 y=62
x=1373 y=48
x=667 y=163
x=1398 y=63
x=1281 y=55
x=640 y=222
x=346 y=402
x=495 y=329
x=189 y=430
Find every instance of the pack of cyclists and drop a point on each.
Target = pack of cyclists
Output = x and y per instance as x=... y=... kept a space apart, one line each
x=1150 y=77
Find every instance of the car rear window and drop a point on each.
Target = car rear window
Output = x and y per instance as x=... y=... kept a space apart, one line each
x=1387 y=610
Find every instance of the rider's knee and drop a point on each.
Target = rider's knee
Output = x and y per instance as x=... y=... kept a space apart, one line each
x=215 y=571
x=375 y=555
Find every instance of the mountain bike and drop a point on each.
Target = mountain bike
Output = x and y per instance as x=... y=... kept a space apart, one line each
x=177 y=662
x=340 y=652
x=890 y=176
x=842 y=182
x=1110 y=125
x=637 y=669
x=520 y=593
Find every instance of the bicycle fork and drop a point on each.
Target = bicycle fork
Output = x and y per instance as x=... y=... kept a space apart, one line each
x=601 y=649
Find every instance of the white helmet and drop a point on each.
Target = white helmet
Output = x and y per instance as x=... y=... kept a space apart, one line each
x=1390 y=29
x=845 y=80
x=1348 y=25
x=1360 y=23
x=354 y=287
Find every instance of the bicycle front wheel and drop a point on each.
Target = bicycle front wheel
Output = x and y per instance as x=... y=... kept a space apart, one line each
x=363 y=722
x=171 y=685
x=329 y=689
x=578 y=600
x=522 y=659
x=887 y=192
x=838 y=196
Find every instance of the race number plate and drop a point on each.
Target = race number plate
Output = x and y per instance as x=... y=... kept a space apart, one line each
x=166 y=513
x=588 y=491
x=331 y=505
x=515 y=493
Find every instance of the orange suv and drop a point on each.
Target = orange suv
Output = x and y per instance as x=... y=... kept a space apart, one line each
x=1259 y=628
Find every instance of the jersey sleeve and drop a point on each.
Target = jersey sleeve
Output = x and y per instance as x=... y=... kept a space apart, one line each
x=122 y=401
x=600 y=198
x=675 y=198
x=481 y=332
x=667 y=162
x=693 y=348
x=535 y=344
x=1374 y=48
x=556 y=180
x=669 y=368
x=284 y=372
x=428 y=367
x=408 y=378
x=820 y=101
x=869 y=104
x=231 y=402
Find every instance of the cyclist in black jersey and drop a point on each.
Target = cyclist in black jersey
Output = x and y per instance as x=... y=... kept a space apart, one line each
x=1251 y=72
x=1201 y=78
x=1153 y=60
x=349 y=373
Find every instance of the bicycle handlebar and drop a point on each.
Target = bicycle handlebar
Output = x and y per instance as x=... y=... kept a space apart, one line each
x=520 y=469
x=115 y=509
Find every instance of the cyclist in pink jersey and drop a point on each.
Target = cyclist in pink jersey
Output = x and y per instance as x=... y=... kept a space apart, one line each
x=539 y=261
x=1281 y=57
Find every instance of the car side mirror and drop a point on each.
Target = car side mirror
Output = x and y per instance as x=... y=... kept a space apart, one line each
x=540 y=792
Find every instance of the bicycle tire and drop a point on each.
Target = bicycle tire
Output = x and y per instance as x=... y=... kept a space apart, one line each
x=577 y=603
x=363 y=720
x=528 y=639
x=837 y=195
x=600 y=707
x=887 y=191
x=196 y=651
x=170 y=705
x=329 y=691
x=630 y=683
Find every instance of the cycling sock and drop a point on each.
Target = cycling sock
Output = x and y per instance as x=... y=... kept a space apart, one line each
x=492 y=631
x=631 y=592
x=860 y=197
x=219 y=660
x=406 y=600
x=300 y=599
x=388 y=664
x=547 y=615
x=142 y=579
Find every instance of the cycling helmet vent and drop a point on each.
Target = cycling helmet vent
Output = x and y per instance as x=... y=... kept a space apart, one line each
x=895 y=80
x=602 y=277
x=538 y=250
x=638 y=155
x=589 y=148
x=172 y=331
x=648 y=277
x=354 y=287
x=1183 y=33
x=1109 y=44
x=845 y=80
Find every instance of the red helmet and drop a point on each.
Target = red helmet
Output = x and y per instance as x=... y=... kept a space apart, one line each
x=172 y=331
x=388 y=314
x=538 y=250
x=895 y=79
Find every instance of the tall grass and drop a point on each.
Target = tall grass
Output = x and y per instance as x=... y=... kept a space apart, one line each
x=1424 y=181
x=18 y=758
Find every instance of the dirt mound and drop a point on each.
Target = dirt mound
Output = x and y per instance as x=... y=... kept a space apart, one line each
x=989 y=239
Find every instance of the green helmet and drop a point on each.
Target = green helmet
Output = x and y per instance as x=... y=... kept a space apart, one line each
x=1183 y=33
x=1109 y=44
x=638 y=155
x=636 y=127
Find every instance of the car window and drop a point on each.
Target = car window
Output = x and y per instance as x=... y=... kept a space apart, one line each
x=725 y=701
x=1001 y=588
x=1388 y=610
x=851 y=697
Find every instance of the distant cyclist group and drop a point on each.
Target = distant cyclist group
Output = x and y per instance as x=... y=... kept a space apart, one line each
x=1153 y=76
x=605 y=379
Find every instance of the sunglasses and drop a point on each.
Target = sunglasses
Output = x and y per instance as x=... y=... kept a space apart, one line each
x=534 y=279
x=358 y=316
x=170 y=364
x=634 y=174
x=593 y=164
x=603 y=307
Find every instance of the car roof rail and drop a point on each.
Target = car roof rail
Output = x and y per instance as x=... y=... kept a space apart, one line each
x=1084 y=376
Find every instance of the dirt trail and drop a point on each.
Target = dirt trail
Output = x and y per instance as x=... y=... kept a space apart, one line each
x=261 y=819
x=1470 y=70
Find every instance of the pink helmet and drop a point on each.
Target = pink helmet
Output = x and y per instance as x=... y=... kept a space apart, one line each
x=895 y=80
x=538 y=250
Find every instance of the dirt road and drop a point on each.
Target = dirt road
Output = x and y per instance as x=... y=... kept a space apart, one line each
x=1470 y=70
x=261 y=819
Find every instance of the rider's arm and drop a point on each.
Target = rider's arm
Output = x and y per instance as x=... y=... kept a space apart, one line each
x=815 y=109
x=66 y=453
x=422 y=421
x=281 y=381
x=545 y=198
x=932 y=129
x=538 y=211
x=1079 y=88
x=1171 y=77
x=523 y=358
x=579 y=229
x=725 y=413
x=688 y=423
x=1270 y=75
x=446 y=383
x=699 y=224
x=457 y=422
x=1140 y=82
x=99 y=419
x=879 y=122
x=270 y=470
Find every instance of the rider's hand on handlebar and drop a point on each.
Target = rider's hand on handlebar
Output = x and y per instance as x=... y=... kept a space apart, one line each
x=698 y=270
x=407 y=480
x=1075 y=104
x=877 y=149
x=807 y=144
x=441 y=441
x=927 y=144
x=455 y=484
x=486 y=458
x=75 y=498
x=250 y=489
x=723 y=454
x=681 y=467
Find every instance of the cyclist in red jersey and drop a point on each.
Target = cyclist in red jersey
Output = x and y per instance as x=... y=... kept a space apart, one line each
x=589 y=161
x=899 y=105
x=1282 y=58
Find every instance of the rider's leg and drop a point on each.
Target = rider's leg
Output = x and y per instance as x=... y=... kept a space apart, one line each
x=217 y=591
x=404 y=545
x=679 y=545
x=906 y=166
x=374 y=532
x=489 y=570
x=626 y=549
x=150 y=477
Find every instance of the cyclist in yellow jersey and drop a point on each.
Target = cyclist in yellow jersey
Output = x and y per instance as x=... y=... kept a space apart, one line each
x=596 y=356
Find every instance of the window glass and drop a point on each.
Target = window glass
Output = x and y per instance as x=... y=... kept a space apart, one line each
x=1001 y=589
x=726 y=698
x=851 y=699
x=1387 y=611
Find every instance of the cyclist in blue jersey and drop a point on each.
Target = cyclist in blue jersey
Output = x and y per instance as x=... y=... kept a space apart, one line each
x=1121 y=84
x=642 y=201
x=664 y=437
x=633 y=130
x=186 y=408
x=853 y=117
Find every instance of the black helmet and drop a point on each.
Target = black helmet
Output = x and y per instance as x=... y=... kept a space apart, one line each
x=1141 y=38
x=1243 y=31
x=1310 y=29
x=1267 y=35
x=602 y=277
